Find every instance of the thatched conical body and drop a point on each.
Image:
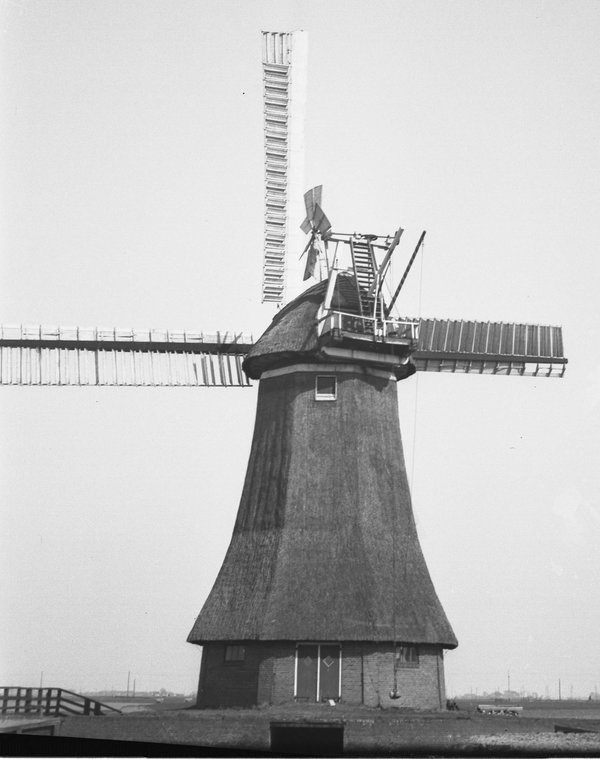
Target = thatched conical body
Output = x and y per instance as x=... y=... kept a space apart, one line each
x=325 y=546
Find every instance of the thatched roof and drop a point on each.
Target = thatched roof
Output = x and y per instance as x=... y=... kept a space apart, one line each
x=325 y=545
x=291 y=335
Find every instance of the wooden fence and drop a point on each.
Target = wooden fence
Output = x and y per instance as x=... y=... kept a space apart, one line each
x=55 y=701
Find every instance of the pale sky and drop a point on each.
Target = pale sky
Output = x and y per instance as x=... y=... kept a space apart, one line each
x=132 y=195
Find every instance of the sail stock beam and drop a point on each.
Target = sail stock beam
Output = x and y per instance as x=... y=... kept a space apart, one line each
x=112 y=357
x=475 y=364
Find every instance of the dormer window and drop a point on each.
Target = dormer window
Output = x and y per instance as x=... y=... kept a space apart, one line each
x=326 y=387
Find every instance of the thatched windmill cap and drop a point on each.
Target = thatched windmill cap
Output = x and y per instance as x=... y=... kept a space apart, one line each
x=292 y=335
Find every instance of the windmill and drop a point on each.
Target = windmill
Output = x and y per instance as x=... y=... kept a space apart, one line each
x=324 y=593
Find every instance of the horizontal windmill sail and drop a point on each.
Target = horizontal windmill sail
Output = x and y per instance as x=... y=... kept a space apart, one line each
x=121 y=357
x=168 y=358
x=446 y=345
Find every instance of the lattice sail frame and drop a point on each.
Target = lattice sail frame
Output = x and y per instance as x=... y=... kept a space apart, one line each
x=455 y=345
x=284 y=98
x=68 y=356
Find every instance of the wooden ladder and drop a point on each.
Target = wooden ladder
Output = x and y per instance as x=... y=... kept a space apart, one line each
x=365 y=268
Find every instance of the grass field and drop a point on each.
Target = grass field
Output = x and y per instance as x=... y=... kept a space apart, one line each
x=147 y=703
x=557 y=728
x=539 y=708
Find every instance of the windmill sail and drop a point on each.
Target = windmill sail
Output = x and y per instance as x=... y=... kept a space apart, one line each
x=446 y=345
x=121 y=357
x=167 y=358
x=284 y=95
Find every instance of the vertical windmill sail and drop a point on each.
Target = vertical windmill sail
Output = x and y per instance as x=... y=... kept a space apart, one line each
x=284 y=95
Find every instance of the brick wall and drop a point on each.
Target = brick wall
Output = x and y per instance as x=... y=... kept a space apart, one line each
x=266 y=676
x=419 y=687
x=228 y=683
x=368 y=677
x=276 y=681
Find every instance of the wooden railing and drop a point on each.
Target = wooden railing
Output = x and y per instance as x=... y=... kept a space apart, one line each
x=384 y=329
x=55 y=701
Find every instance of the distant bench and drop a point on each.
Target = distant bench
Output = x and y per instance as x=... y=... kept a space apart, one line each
x=511 y=711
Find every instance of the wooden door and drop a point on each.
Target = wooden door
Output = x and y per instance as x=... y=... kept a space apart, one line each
x=329 y=672
x=306 y=678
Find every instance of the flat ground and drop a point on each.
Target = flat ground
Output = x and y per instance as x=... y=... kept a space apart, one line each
x=566 y=728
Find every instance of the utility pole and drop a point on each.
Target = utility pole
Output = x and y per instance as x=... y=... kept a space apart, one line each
x=559 y=695
x=128 y=676
x=41 y=678
x=509 y=679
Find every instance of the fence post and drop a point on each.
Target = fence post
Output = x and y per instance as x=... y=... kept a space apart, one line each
x=18 y=701
x=57 y=705
x=48 y=709
x=5 y=701
x=86 y=706
x=97 y=708
x=28 y=697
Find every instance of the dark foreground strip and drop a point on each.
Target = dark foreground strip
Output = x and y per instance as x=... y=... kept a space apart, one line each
x=42 y=746
x=32 y=745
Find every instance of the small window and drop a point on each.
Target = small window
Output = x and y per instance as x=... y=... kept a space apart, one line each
x=407 y=656
x=325 y=387
x=235 y=653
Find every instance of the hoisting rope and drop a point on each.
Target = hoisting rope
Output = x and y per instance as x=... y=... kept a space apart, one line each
x=416 y=403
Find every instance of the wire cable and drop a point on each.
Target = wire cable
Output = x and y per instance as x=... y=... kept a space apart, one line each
x=416 y=401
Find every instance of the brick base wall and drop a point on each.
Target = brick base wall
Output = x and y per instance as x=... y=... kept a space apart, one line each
x=368 y=677
x=266 y=676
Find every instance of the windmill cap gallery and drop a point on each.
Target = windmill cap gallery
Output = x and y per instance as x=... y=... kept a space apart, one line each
x=292 y=336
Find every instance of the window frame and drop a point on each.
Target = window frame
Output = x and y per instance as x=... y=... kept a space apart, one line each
x=406 y=663
x=326 y=396
x=231 y=653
